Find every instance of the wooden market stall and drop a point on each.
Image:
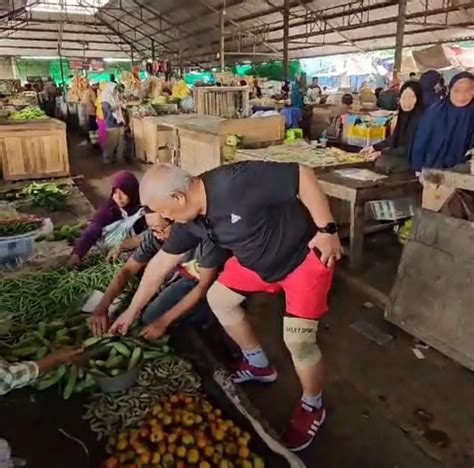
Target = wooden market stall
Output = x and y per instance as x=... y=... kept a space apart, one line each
x=196 y=142
x=33 y=149
x=440 y=185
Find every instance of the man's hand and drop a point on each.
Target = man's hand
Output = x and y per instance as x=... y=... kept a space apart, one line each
x=330 y=247
x=99 y=322
x=155 y=329
x=123 y=323
x=114 y=254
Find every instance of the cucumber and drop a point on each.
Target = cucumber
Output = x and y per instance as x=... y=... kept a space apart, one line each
x=150 y=355
x=71 y=382
x=93 y=340
x=114 y=362
x=42 y=328
x=135 y=358
x=122 y=349
x=51 y=378
x=41 y=339
x=41 y=353
x=24 y=352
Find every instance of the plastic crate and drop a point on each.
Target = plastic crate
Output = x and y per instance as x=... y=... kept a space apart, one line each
x=392 y=210
x=361 y=135
x=14 y=250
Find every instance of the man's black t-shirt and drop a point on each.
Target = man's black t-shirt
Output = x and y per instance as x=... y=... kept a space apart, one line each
x=253 y=211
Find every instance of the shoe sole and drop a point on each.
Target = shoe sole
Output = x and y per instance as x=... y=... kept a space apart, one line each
x=307 y=444
x=263 y=379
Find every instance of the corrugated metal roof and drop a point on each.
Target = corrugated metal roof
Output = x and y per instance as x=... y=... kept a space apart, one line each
x=190 y=29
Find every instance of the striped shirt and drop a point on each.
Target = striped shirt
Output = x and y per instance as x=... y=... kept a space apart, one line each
x=16 y=375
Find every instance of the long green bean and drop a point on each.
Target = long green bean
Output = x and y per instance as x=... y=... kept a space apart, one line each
x=46 y=295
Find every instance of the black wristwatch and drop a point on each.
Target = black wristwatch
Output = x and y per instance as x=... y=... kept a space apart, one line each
x=330 y=228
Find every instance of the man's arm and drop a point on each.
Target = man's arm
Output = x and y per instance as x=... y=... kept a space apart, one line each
x=158 y=327
x=154 y=276
x=130 y=243
x=315 y=200
x=99 y=321
x=20 y=374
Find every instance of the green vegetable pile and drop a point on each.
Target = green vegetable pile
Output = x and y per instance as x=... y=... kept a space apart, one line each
x=117 y=354
x=18 y=227
x=48 y=295
x=49 y=337
x=45 y=194
x=28 y=113
x=68 y=232
x=114 y=356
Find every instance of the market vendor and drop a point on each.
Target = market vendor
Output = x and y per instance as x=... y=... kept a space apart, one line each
x=20 y=374
x=313 y=94
x=117 y=219
x=432 y=83
x=282 y=239
x=446 y=130
x=90 y=99
x=114 y=123
x=392 y=154
x=183 y=300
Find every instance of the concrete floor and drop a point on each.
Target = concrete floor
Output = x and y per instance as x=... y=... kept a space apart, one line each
x=386 y=408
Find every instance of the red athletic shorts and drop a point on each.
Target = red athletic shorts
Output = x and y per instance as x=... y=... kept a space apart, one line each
x=306 y=287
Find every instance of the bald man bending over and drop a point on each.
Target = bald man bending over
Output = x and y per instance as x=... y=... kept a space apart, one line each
x=275 y=219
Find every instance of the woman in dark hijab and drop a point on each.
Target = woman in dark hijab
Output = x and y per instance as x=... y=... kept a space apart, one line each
x=391 y=154
x=121 y=213
x=432 y=84
x=445 y=132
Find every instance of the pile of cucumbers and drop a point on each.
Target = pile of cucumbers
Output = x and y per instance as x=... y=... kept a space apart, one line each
x=108 y=356
x=112 y=356
x=47 y=338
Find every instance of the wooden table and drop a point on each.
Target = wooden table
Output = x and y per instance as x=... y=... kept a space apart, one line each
x=321 y=160
x=358 y=193
x=439 y=185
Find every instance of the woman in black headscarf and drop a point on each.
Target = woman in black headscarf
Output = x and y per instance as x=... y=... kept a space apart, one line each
x=392 y=154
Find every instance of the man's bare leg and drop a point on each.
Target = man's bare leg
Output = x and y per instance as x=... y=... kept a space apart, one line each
x=226 y=305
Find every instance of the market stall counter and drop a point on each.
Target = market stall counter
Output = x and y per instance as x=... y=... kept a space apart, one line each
x=360 y=187
x=33 y=149
x=197 y=142
x=320 y=159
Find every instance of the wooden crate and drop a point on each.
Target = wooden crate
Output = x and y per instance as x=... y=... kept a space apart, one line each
x=254 y=130
x=34 y=150
x=223 y=101
x=153 y=142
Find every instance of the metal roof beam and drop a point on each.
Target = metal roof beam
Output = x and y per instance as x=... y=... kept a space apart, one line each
x=351 y=8
x=135 y=29
x=371 y=38
x=323 y=29
x=195 y=17
x=50 y=39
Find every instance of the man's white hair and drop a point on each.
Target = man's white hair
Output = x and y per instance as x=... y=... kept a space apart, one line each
x=162 y=180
